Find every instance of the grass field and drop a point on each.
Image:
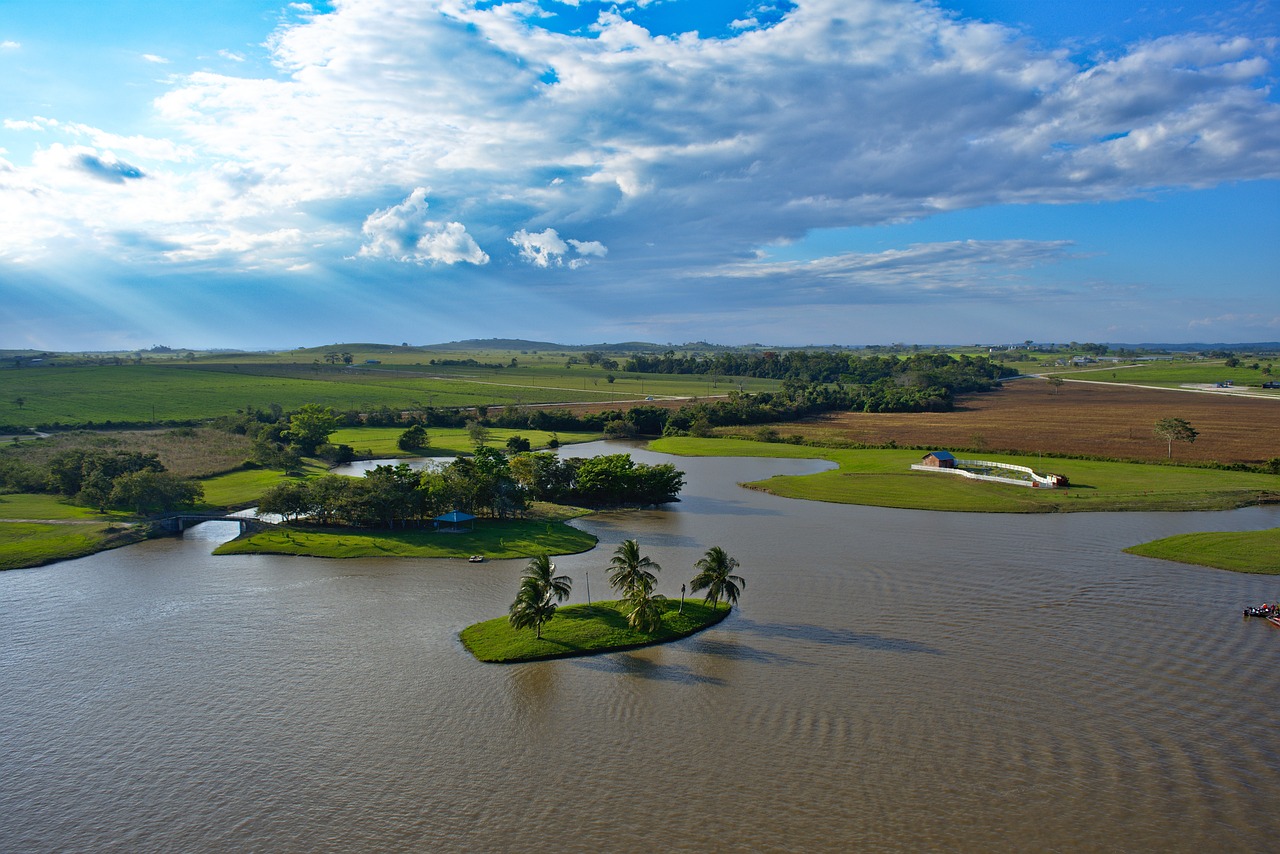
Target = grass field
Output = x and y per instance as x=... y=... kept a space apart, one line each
x=245 y=487
x=381 y=441
x=27 y=544
x=492 y=538
x=49 y=508
x=1029 y=416
x=584 y=630
x=1240 y=551
x=883 y=478
x=175 y=390
x=1171 y=374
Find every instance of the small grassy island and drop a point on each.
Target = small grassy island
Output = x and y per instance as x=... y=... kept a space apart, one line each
x=1256 y=552
x=586 y=630
x=641 y=618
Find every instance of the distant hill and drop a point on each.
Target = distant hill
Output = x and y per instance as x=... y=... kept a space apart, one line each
x=520 y=344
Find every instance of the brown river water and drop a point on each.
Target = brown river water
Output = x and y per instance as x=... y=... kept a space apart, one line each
x=893 y=680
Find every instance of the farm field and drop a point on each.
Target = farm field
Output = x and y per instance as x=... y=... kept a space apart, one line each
x=381 y=441
x=883 y=478
x=179 y=391
x=1176 y=374
x=1030 y=416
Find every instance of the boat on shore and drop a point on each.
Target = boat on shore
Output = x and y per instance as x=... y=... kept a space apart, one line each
x=476 y=559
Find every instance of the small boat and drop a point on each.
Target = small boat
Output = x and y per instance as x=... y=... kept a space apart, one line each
x=1267 y=610
x=476 y=559
x=1274 y=620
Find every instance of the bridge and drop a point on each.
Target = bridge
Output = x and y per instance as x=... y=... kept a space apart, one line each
x=179 y=522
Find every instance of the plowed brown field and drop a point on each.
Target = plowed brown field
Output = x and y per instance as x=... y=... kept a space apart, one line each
x=1030 y=416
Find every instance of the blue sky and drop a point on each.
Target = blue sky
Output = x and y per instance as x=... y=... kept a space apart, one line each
x=264 y=174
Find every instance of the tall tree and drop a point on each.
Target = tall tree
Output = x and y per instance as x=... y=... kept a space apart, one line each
x=630 y=572
x=1175 y=430
x=310 y=426
x=540 y=592
x=715 y=575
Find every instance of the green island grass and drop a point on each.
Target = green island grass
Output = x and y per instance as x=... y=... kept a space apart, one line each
x=381 y=441
x=492 y=538
x=1255 y=552
x=244 y=487
x=28 y=505
x=883 y=478
x=584 y=630
x=27 y=544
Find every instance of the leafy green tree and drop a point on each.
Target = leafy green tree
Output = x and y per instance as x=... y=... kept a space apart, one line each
x=631 y=572
x=540 y=592
x=414 y=439
x=310 y=426
x=518 y=444
x=478 y=433
x=715 y=575
x=154 y=491
x=1175 y=430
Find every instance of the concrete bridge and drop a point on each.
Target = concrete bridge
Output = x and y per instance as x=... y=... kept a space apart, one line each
x=179 y=522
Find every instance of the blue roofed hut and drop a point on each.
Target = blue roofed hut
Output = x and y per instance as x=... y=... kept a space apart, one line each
x=454 y=520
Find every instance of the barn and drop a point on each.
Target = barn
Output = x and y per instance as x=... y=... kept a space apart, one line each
x=939 y=460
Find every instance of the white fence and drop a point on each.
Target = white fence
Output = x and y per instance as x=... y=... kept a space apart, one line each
x=1031 y=478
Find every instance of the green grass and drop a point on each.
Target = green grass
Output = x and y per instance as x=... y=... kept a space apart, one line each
x=381 y=441
x=497 y=539
x=180 y=391
x=26 y=544
x=584 y=630
x=883 y=478
x=245 y=487
x=48 y=507
x=1169 y=374
x=1239 y=551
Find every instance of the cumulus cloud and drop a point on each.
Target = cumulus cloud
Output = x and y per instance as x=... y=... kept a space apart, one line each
x=547 y=249
x=404 y=233
x=9 y=44
x=158 y=60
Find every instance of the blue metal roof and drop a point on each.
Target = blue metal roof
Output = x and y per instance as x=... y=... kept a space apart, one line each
x=941 y=455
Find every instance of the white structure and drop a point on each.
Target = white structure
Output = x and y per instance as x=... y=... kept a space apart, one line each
x=976 y=470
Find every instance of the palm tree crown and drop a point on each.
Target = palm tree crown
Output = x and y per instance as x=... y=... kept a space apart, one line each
x=715 y=575
x=540 y=590
x=630 y=571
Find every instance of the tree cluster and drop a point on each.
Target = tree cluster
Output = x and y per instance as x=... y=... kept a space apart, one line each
x=123 y=480
x=488 y=483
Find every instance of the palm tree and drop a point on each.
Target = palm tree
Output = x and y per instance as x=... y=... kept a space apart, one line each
x=647 y=608
x=540 y=591
x=630 y=571
x=715 y=576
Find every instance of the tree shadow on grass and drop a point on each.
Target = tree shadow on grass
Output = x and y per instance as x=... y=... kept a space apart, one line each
x=635 y=665
x=835 y=637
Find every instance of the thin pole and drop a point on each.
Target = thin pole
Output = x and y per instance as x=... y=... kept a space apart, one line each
x=588 y=587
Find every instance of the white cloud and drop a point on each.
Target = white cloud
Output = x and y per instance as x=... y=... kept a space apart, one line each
x=151 y=57
x=404 y=233
x=547 y=249
x=9 y=44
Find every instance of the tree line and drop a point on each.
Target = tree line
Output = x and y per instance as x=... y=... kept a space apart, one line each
x=488 y=483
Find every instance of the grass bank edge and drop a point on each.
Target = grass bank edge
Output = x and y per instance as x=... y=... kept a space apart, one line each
x=26 y=545
x=883 y=478
x=584 y=629
x=494 y=539
x=1253 y=552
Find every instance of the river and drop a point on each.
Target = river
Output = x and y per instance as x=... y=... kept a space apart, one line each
x=892 y=680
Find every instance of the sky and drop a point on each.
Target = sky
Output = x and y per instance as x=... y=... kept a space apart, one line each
x=265 y=175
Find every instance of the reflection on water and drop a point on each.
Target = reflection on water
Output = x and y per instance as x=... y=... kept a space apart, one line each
x=893 y=679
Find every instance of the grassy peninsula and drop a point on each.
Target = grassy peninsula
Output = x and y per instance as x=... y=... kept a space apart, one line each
x=585 y=630
x=497 y=539
x=883 y=478
x=1256 y=552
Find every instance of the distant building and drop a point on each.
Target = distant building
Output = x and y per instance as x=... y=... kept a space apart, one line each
x=939 y=460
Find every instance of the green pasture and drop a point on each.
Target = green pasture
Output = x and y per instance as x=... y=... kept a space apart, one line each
x=493 y=538
x=1173 y=374
x=245 y=487
x=1240 y=551
x=49 y=507
x=26 y=544
x=381 y=441
x=883 y=478
x=184 y=391
x=585 y=630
